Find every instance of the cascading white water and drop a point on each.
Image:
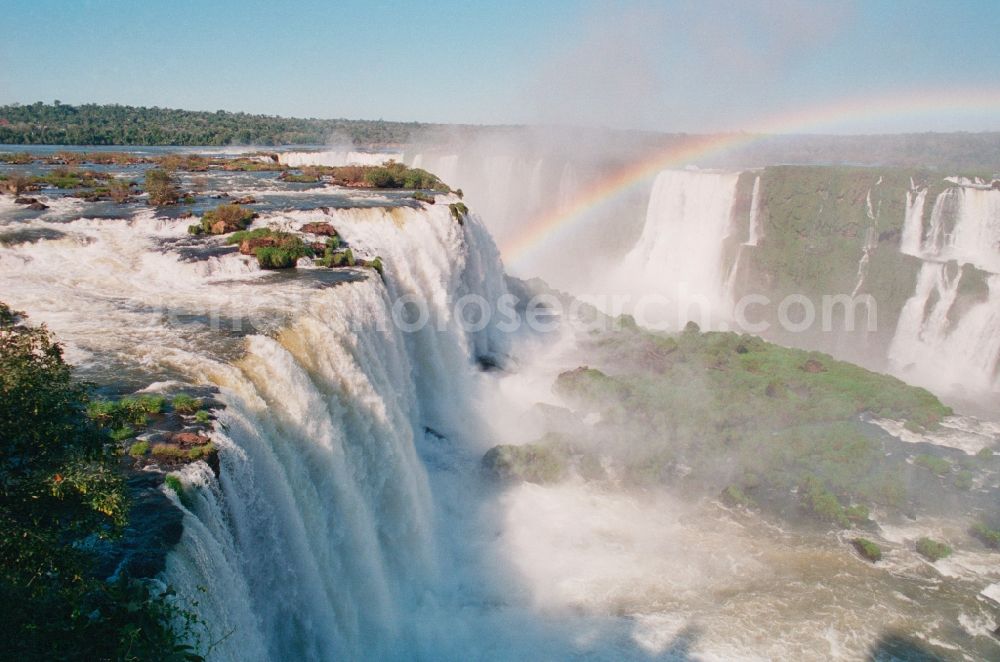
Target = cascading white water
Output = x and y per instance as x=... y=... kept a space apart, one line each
x=336 y=157
x=678 y=258
x=755 y=231
x=318 y=540
x=912 y=236
x=871 y=240
x=327 y=501
x=935 y=344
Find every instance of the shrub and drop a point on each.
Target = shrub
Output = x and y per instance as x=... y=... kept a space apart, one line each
x=376 y=264
x=20 y=158
x=300 y=179
x=185 y=404
x=932 y=463
x=138 y=449
x=129 y=412
x=396 y=175
x=963 y=480
x=152 y=404
x=161 y=188
x=223 y=219
x=985 y=453
x=173 y=481
x=272 y=257
x=168 y=451
x=932 y=549
x=824 y=504
x=986 y=535
x=242 y=235
x=62 y=491
x=381 y=178
x=202 y=416
x=867 y=549
x=121 y=434
x=17 y=183
x=458 y=211
x=420 y=196
x=734 y=496
x=277 y=250
x=857 y=513
x=198 y=452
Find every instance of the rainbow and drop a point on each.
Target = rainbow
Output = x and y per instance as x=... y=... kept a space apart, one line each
x=552 y=224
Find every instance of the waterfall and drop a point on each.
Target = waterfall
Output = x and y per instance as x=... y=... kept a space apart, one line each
x=679 y=256
x=326 y=503
x=912 y=237
x=754 y=232
x=937 y=342
x=336 y=157
x=318 y=539
x=871 y=240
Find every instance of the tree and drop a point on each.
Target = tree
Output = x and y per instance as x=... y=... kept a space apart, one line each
x=161 y=188
x=59 y=491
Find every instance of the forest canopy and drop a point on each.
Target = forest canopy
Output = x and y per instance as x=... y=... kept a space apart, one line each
x=93 y=124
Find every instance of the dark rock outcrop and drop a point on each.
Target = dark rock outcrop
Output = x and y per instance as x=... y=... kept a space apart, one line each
x=322 y=229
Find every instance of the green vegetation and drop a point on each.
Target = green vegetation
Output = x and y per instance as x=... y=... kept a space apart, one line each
x=396 y=175
x=92 y=124
x=126 y=413
x=269 y=257
x=696 y=409
x=202 y=416
x=986 y=535
x=825 y=505
x=19 y=158
x=300 y=179
x=198 y=452
x=933 y=464
x=458 y=211
x=161 y=188
x=932 y=549
x=272 y=248
x=534 y=463
x=420 y=196
x=138 y=449
x=119 y=190
x=734 y=496
x=65 y=177
x=223 y=219
x=173 y=481
x=60 y=491
x=964 y=480
x=185 y=404
x=17 y=183
x=867 y=549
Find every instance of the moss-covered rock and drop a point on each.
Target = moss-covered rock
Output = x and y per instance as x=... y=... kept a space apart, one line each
x=533 y=463
x=458 y=212
x=986 y=535
x=224 y=219
x=932 y=549
x=867 y=549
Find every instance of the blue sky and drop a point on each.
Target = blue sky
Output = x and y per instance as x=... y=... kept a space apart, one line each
x=691 y=65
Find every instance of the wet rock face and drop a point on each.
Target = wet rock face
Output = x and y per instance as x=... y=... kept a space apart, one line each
x=155 y=526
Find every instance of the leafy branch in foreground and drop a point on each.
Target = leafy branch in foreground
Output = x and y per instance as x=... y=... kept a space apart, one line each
x=60 y=493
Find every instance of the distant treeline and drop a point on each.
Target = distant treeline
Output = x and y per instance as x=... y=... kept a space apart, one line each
x=93 y=124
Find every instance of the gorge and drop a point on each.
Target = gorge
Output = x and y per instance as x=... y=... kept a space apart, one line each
x=410 y=469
